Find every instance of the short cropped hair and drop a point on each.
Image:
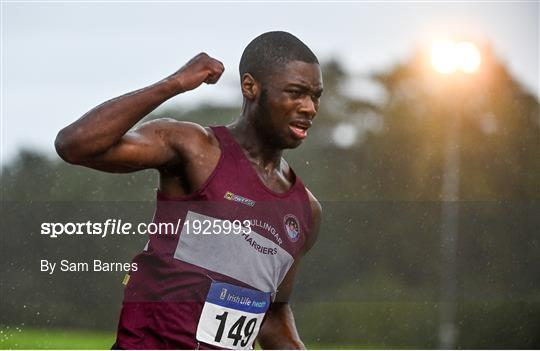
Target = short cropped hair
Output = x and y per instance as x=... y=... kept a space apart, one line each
x=271 y=51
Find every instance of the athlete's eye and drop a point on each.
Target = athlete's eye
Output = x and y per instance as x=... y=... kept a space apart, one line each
x=295 y=94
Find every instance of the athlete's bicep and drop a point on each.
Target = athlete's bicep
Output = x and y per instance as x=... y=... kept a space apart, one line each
x=140 y=148
x=156 y=144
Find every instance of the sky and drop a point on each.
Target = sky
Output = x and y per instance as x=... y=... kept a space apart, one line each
x=60 y=59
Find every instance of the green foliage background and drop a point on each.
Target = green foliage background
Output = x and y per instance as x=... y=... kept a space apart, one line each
x=373 y=279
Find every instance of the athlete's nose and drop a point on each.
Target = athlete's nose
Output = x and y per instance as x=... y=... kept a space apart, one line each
x=309 y=106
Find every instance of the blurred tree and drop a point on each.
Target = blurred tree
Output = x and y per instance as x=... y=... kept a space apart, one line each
x=375 y=267
x=500 y=132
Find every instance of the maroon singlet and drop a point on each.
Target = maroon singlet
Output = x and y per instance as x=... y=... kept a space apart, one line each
x=183 y=275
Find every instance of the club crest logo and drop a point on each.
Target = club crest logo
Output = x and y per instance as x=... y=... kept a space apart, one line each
x=292 y=227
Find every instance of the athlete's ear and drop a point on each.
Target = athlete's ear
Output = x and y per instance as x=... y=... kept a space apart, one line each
x=250 y=87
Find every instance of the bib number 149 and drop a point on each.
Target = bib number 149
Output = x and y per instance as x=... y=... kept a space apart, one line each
x=232 y=316
x=240 y=331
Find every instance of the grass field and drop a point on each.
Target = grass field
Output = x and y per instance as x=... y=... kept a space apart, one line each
x=30 y=338
x=42 y=339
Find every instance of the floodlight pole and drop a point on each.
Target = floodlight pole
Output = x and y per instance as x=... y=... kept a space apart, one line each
x=467 y=60
x=449 y=230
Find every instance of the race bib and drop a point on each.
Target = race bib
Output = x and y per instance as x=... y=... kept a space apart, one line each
x=231 y=316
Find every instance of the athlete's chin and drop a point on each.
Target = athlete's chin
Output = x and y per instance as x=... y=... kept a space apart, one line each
x=287 y=141
x=293 y=144
x=292 y=141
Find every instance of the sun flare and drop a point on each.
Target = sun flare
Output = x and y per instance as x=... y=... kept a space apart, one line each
x=448 y=57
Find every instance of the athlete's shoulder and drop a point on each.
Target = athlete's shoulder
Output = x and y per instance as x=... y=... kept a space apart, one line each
x=316 y=215
x=316 y=208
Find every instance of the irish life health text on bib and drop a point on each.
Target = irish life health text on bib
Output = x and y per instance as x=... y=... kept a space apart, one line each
x=231 y=316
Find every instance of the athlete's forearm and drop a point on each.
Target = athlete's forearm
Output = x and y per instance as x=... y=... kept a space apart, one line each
x=279 y=329
x=104 y=125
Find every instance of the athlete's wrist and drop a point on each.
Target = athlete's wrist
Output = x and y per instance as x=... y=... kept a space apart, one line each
x=173 y=85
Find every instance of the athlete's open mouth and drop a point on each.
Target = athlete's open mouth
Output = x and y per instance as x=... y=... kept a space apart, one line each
x=299 y=128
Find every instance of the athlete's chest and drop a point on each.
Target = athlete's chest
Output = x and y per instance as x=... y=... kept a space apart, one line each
x=277 y=180
x=274 y=224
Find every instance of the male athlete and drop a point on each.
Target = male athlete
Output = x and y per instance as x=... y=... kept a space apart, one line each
x=223 y=290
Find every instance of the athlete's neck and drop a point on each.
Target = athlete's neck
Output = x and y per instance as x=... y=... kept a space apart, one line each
x=256 y=148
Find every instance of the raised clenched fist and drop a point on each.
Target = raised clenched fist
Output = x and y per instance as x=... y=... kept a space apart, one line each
x=200 y=69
